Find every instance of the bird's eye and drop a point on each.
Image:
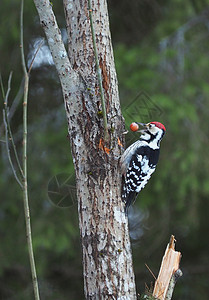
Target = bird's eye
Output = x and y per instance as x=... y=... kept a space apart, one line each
x=150 y=125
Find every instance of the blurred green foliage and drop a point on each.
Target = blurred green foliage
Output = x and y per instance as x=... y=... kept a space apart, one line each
x=161 y=54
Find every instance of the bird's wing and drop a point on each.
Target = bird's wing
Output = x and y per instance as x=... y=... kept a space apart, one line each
x=137 y=175
x=127 y=155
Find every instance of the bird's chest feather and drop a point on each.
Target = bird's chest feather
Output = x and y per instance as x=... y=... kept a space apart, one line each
x=147 y=157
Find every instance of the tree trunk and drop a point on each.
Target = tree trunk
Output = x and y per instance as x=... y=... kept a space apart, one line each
x=107 y=258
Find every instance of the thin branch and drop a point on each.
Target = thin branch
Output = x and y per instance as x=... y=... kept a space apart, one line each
x=153 y=275
x=25 y=182
x=19 y=95
x=8 y=89
x=8 y=150
x=21 y=39
x=14 y=104
x=98 y=72
x=16 y=100
x=2 y=87
x=8 y=128
x=32 y=61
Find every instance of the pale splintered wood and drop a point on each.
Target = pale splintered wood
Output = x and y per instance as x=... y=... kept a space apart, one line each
x=169 y=265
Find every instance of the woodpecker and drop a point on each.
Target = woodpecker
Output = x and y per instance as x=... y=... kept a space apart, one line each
x=139 y=161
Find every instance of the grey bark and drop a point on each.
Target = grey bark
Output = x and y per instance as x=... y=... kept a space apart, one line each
x=172 y=283
x=107 y=258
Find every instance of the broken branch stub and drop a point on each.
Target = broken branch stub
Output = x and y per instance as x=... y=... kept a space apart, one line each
x=169 y=267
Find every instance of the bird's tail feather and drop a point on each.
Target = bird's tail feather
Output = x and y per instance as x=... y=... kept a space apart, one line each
x=129 y=200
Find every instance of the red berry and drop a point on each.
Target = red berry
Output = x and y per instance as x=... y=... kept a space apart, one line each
x=134 y=126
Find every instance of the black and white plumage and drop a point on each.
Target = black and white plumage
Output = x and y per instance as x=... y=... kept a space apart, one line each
x=139 y=161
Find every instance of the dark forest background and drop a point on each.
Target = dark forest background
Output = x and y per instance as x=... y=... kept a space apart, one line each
x=162 y=58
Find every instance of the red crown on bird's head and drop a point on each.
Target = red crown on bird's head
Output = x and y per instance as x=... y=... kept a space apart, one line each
x=159 y=125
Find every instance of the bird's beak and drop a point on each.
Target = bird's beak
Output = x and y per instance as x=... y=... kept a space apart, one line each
x=143 y=125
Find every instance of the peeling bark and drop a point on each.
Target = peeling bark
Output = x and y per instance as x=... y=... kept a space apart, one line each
x=107 y=258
